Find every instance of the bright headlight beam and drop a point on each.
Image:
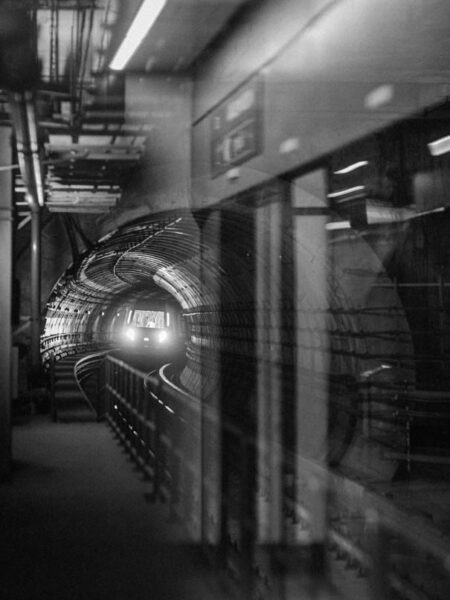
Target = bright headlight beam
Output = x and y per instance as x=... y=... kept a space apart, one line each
x=162 y=336
x=130 y=334
x=141 y=25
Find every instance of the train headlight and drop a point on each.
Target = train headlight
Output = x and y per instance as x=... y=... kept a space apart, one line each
x=130 y=334
x=162 y=337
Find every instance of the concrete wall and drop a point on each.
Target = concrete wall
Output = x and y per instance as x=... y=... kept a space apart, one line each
x=331 y=71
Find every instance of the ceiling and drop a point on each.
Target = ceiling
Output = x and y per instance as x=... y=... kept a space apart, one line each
x=181 y=32
x=88 y=151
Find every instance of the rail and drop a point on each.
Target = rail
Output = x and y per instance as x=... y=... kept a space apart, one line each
x=90 y=379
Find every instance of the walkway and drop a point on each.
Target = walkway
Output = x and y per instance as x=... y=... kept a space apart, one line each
x=75 y=524
x=70 y=404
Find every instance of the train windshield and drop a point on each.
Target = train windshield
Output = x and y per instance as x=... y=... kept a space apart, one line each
x=149 y=318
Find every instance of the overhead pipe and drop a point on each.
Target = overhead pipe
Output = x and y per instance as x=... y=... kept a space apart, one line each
x=23 y=114
x=35 y=349
x=24 y=120
x=19 y=72
x=19 y=75
x=34 y=147
x=6 y=380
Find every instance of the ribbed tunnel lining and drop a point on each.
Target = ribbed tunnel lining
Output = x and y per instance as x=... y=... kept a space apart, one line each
x=172 y=254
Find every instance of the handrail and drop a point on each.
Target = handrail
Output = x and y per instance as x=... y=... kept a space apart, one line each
x=88 y=364
x=174 y=389
x=86 y=367
x=121 y=363
x=86 y=361
x=154 y=427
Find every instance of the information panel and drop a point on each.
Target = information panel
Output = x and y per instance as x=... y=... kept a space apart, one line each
x=236 y=128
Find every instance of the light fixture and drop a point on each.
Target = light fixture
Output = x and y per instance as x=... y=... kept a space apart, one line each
x=336 y=225
x=352 y=190
x=352 y=167
x=440 y=146
x=141 y=25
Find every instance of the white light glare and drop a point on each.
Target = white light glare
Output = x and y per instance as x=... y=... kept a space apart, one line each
x=130 y=334
x=440 y=146
x=162 y=337
x=141 y=25
x=353 y=167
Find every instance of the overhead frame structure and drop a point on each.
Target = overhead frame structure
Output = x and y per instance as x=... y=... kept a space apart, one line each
x=76 y=146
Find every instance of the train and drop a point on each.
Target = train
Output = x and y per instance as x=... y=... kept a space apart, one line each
x=151 y=329
x=146 y=333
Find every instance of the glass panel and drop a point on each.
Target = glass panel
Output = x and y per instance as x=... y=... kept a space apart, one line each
x=149 y=318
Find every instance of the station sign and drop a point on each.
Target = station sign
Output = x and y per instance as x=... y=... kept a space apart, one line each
x=236 y=128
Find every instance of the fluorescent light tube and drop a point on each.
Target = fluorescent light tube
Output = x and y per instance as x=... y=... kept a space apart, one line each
x=336 y=225
x=441 y=146
x=352 y=167
x=141 y=25
x=357 y=188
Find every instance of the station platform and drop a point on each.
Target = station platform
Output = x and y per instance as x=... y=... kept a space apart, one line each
x=75 y=524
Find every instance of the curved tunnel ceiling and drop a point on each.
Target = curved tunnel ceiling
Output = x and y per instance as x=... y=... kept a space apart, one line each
x=224 y=268
x=209 y=264
x=159 y=258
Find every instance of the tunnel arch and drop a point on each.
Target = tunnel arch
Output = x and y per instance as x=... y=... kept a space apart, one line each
x=171 y=255
x=210 y=263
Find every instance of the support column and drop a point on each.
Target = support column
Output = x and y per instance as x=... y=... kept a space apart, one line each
x=35 y=290
x=213 y=488
x=310 y=214
x=5 y=302
x=268 y=348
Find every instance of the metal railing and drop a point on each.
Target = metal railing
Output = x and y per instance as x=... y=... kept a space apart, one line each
x=163 y=428
x=90 y=377
x=156 y=423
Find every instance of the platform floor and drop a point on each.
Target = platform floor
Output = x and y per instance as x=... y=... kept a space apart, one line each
x=75 y=524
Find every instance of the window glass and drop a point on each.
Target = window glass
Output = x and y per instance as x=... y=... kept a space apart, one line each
x=148 y=318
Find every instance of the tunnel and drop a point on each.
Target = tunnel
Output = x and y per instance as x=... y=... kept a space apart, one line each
x=224 y=310
x=209 y=264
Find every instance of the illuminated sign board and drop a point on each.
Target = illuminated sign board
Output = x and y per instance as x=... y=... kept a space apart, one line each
x=236 y=128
